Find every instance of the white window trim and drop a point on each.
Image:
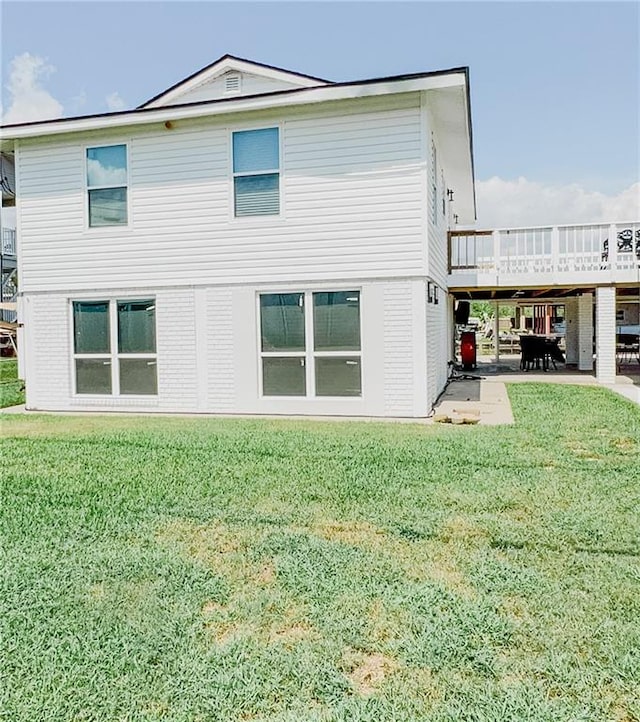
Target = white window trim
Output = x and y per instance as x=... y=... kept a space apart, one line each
x=113 y=356
x=257 y=220
x=309 y=354
x=116 y=226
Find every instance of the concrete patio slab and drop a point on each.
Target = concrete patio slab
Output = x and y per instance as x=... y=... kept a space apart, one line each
x=485 y=398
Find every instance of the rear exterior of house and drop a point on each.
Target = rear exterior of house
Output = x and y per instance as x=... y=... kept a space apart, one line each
x=250 y=241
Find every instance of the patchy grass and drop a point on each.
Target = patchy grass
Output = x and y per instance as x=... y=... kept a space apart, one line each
x=223 y=570
x=11 y=388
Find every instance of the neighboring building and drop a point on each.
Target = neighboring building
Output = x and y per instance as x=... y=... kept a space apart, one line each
x=258 y=241
x=8 y=256
x=251 y=240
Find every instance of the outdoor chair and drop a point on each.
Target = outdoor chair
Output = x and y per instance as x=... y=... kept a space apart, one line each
x=532 y=353
x=539 y=351
x=552 y=352
x=627 y=348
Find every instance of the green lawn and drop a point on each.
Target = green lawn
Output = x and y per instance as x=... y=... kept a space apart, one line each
x=11 y=388
x=204 y=569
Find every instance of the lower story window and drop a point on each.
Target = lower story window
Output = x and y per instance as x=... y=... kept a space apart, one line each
x=310 y=344
x=114 y=347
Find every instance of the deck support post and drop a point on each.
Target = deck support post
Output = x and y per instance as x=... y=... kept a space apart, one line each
x=606 y=334
x=496 y=331
x=571 y=336
x=585 y=332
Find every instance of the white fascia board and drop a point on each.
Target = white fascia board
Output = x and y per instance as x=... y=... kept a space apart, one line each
x=283 y=99
x=304 y=82
x=226 y=66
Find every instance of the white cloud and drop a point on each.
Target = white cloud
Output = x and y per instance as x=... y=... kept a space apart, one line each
x=29 y=100
x=513 y=203
x=105 y=175
x=114 y=102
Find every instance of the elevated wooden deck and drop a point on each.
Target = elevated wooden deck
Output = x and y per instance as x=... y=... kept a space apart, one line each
x=561 y=258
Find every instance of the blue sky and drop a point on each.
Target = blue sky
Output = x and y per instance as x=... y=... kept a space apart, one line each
x=555 y=86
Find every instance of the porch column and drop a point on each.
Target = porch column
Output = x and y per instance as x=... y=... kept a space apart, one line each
x=585 y=332
x=496 y=331
x=451 y=329
x=571 y=336
x=606 y=334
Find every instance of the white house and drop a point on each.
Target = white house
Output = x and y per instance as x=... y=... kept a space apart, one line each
x=258 y=241
x=251 y=240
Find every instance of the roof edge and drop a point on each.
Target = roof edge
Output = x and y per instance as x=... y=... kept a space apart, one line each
x=469 y=121
x=207 y=103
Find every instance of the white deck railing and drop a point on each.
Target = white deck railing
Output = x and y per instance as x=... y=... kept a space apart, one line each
x=551 y=250
x=8 y=241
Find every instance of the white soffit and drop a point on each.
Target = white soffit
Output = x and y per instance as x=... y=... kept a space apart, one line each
x=449 y=108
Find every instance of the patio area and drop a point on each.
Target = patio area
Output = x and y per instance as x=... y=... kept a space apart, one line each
x=486 y=397
x=627 y=368
x=507 y=370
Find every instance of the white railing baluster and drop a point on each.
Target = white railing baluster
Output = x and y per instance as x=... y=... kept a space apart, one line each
x=613 y=247
x=555 y=248
x=9 y=241
x=496 y=250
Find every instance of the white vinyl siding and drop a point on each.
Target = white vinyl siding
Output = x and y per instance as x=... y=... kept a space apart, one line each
x=438 y=342
x=437 y=222
x=399 y=349
x=350 y=174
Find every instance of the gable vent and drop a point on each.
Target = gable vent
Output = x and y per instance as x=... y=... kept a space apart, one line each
x=232 y=83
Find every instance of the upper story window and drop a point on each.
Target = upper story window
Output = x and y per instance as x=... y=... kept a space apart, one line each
x=256 y=172
x=107 y=185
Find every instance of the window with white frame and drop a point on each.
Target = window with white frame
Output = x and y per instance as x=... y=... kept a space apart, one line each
x=256 y=172
x=310 y=344
x=107 y=185
x=114 y=347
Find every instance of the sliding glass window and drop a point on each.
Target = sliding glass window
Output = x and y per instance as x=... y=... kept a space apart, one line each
x=115 y=347
x=310 y=344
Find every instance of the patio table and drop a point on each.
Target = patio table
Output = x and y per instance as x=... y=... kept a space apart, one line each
x=537 y=348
